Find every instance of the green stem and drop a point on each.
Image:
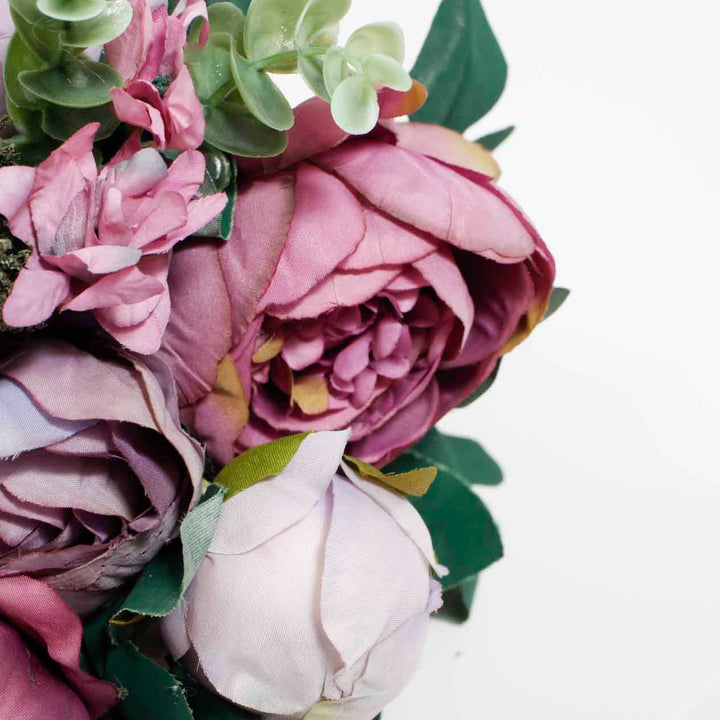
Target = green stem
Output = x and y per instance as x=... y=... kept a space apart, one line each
x=288 y=56
x=222 y=93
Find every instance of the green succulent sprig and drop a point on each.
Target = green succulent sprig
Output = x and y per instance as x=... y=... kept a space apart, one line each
x=52 y=88
x=246 y=113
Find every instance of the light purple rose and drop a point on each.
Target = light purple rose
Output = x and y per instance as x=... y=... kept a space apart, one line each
x=314 y=598
x=96 y=470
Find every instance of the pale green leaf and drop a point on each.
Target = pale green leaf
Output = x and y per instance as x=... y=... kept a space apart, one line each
x=383 y=38
x=262 y=97
x=335 y=69
x=71 y=10
x=355 y=105
x=385 y=71
x=102 y=29
x=318 y=21
x=40 y=33
x=311 y=70
x=270 y=30
x=227 y=18
x=210 y=66
x=75 y=83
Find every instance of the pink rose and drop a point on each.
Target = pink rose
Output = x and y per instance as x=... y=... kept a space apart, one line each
x=373 y=285
x=40 y=640
x=95 y=471
x=102 y=242
x=159 y=95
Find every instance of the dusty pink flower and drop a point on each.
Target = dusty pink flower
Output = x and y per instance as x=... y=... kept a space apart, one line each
x=373 y=285
x=102 y=242
x=95 y=470
x=40 y=639
x=159 y=95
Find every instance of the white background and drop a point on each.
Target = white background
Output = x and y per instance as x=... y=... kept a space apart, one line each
x=607 y=604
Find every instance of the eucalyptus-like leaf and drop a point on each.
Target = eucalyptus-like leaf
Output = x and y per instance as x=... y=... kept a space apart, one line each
x=262 y=97
x=102 y=29
x=71 y=10
x=20 y=59
x=40 y=33
x=75 y=83
x=26 y=121
x=311 y=70
x=355 y=105
x=62 y=122
x=270 y=30
x=318 y=20
x=225 y=17
x=335 y=69
x=232 y=129
x=210 y=66
x=383 y=70
x=380 y=38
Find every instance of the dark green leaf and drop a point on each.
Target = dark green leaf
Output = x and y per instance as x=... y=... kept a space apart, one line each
x=75 y=83
x=220 y=175
x=495 y=139
x=457 y=602
x=61 y=122
x=557 y=298
x=150 y=691
x=19 y=59
x=26 y=121
x=464 y=534
x=240 y=4
x=230 y=128
x=484 y=387
x=463 y=458
x=461 y=65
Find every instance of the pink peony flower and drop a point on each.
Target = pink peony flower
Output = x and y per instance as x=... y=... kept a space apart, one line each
x=159 y=95
x=40 y=639
x=95 y=471
x=102 y=242
x=373 y=285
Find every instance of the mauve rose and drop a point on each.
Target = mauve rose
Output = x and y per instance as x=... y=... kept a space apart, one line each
x=315 y=595
x=373 y=285
x=40 y=640
x=97 y=471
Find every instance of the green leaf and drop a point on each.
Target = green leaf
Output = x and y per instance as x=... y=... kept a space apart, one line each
x=111 y=23
x=232 y=129
x=385 y=71
x=319 y=21
x=75 y=83
x=40 y=33
x=71 y=10
x=415 y=482
x=462 y=458
x=311 y=69
x=241 y=5
x=461 y=65
x=270 y=30
x=335 y=69
x=61 y=122
x=261 y=95
x=355 y=105
x=150 y=691
x=484 y=387
x=220 y=176
x=458 y=601
x=557 y=299
x=380 y=38
x=227 y=18
x=258 y=463
x=495 y=139
x=162 y=583
x=210 y=66
x=20 y=59
x=464 y=534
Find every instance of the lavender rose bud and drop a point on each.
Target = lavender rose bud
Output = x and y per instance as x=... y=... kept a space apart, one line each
x=96 y=469
x=315 y=595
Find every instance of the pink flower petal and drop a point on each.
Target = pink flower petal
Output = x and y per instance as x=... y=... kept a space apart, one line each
x=128 y=52
x=96 y=260
x=17 y=184
x=354 y=358
x=185 y=113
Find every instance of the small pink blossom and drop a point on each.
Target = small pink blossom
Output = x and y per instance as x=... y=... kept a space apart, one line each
x=158 y=94
x=102 y=243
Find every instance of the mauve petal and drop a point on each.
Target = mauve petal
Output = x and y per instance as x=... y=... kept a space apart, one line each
x=95 y=260
x=185 y=175
x=386 y=336
x=170 y=215
x=199 y=213
x=127 y=52
x=138 y=174
x=17 y=183
x=392 y=367
x=435 y=198
x=136 y=111
x=363 y=387
x=11 y=505
x=387 y=242
x=354 y=358
x=36 y=293
x=300 y=354
x=305 y=262
x=185 y=113
x=33 y=607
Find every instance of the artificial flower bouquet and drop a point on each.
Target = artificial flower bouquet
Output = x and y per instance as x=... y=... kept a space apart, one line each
x=229 y=328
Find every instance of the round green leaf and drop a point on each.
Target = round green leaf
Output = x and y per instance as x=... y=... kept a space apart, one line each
x=210 y=66
x=75 y=83
x=232 y=129
x=311 y=70
x=385 y=71
x=102 y=29
x=270 y=30
x=27 y=121
x=40 y=33
x=225 y=17
x=384 y=38
x=19 y=59
x=355 y=105
x=319 y=20
x=62 y=122
x=335 y=69
x=262 y=97
x=71 y=10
